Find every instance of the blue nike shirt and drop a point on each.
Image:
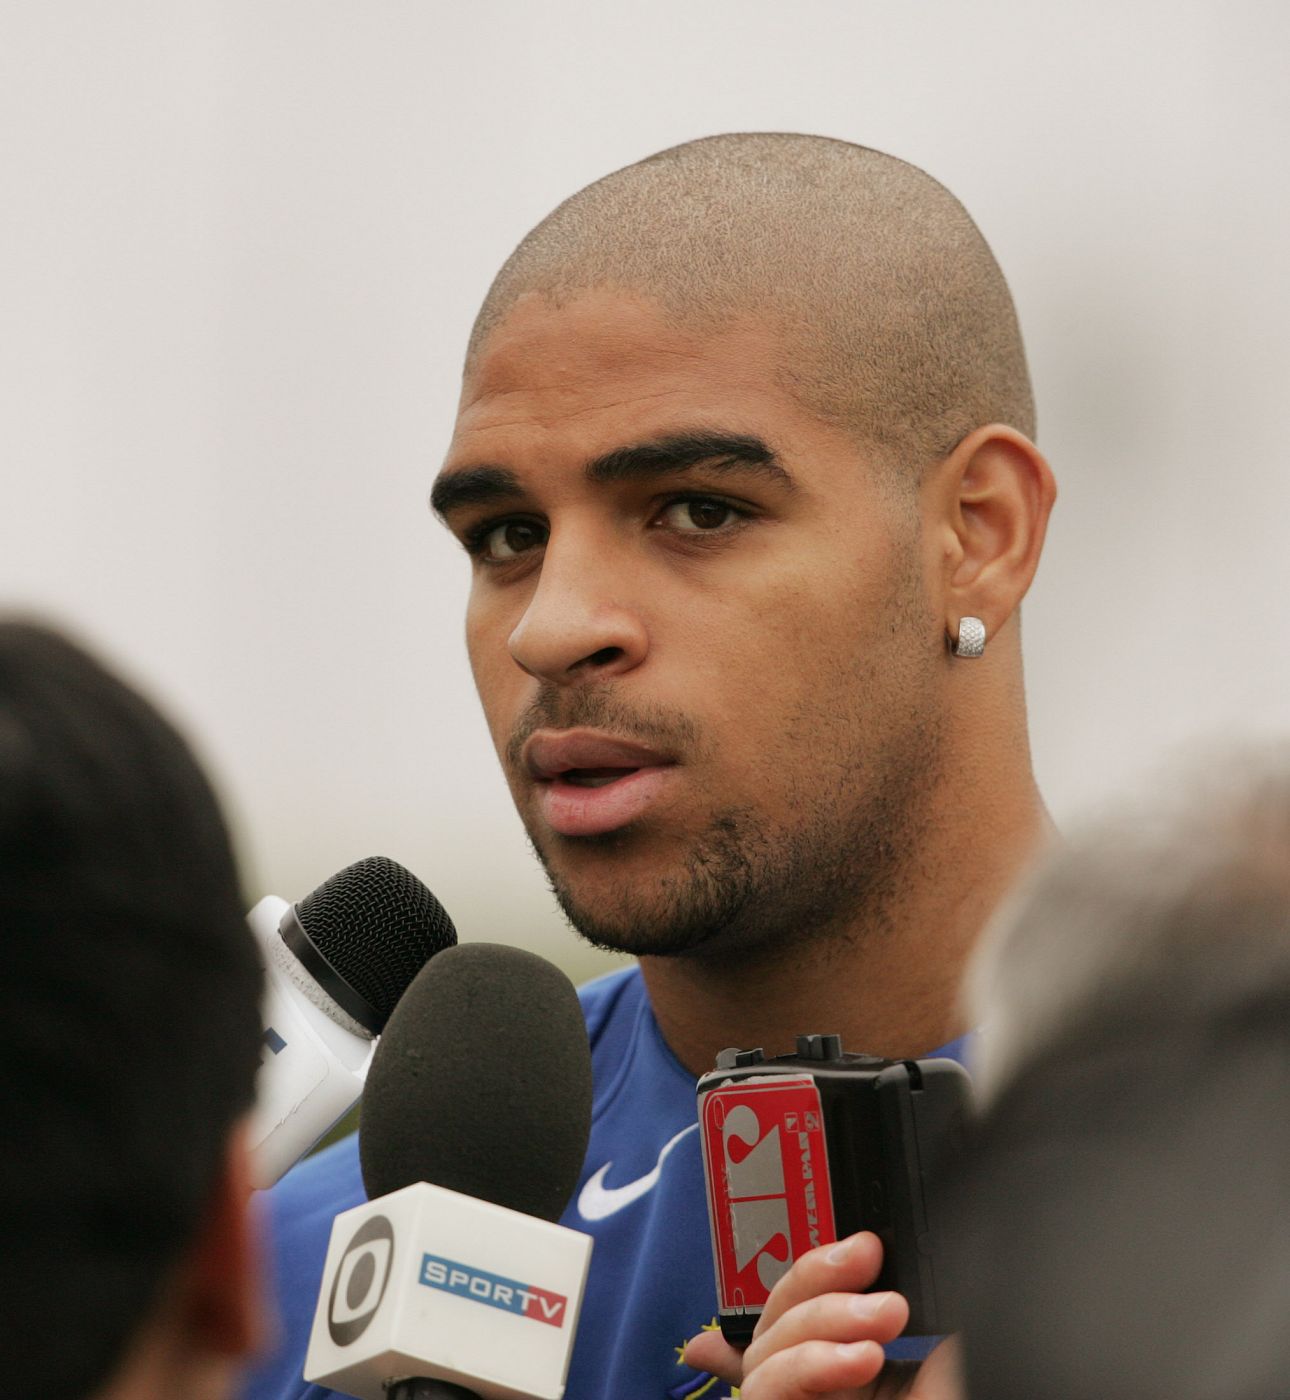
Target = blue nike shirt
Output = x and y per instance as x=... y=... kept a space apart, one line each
x=641 y=1196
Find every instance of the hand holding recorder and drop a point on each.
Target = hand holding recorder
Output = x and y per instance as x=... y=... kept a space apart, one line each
x=800 y=1152
x=822 y=1334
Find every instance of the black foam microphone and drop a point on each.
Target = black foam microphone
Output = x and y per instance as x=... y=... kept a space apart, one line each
x=336 y=965
x=454 y=1279
x=482 y=1083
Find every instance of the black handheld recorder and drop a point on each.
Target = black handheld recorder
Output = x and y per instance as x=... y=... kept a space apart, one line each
x=805 y=1149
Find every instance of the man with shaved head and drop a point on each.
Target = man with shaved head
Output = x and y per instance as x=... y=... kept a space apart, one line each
x=743 y=468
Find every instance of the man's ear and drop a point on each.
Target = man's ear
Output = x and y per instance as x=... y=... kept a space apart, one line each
x=221 y=1284
x=994 y=494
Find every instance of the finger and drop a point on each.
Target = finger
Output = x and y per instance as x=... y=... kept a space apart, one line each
x=836 y=1317
x=710 y=1352
x=850 y=1265
x=812 y=1370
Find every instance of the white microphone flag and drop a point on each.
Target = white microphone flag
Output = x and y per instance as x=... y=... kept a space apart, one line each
x=427 y=1282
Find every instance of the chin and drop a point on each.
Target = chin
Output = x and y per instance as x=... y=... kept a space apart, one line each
x=662 y=917
x=614 y=935
x=614 y=909
x=650 y=893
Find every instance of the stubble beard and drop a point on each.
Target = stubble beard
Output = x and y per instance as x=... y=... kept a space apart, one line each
x=762 y=892
x=763 y=895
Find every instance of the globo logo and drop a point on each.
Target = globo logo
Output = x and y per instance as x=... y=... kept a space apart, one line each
x=361 y=1277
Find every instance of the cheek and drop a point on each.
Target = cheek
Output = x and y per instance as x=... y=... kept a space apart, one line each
x=765 y=672
x=793 y=624
x=825 y=646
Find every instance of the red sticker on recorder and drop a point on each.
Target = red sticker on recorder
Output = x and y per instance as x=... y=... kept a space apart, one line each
x=769 y=1199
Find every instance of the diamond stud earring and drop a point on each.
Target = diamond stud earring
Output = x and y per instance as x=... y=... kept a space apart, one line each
x=971 y=640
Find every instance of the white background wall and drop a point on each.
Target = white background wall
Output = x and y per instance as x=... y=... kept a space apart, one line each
x=241 y=244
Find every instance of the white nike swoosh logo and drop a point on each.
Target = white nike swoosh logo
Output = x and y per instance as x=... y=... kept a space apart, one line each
x=596 y=1201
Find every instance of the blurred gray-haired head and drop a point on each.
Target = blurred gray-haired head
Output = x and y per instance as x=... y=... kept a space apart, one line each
x=1126 y=1206
x=1172 y=904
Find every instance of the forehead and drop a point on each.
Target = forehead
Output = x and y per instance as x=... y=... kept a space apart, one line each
x=585 y=375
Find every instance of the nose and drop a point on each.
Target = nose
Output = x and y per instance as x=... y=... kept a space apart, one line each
x=581 y=624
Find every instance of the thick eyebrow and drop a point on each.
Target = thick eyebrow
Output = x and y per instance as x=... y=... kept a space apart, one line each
x=473 y=486
x=677 y=452
x=733 y=452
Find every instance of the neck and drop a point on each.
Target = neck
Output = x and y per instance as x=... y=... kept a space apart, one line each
x=888 y=984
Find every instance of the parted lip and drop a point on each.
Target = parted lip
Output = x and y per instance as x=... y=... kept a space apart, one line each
x=549 y=752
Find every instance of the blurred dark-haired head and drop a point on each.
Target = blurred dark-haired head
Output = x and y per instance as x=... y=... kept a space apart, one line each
x=129 y=1029
x=1127 y=1207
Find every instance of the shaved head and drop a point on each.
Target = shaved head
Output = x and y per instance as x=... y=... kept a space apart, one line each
x=895 y=320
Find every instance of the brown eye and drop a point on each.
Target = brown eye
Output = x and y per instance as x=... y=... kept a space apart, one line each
x=512 y=538
x=699 y=513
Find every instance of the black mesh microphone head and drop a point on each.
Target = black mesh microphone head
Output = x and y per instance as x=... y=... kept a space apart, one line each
x=367 y=932
x=481 y=1083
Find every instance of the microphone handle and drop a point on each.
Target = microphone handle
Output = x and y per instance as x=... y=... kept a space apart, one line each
x=419 y=1388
